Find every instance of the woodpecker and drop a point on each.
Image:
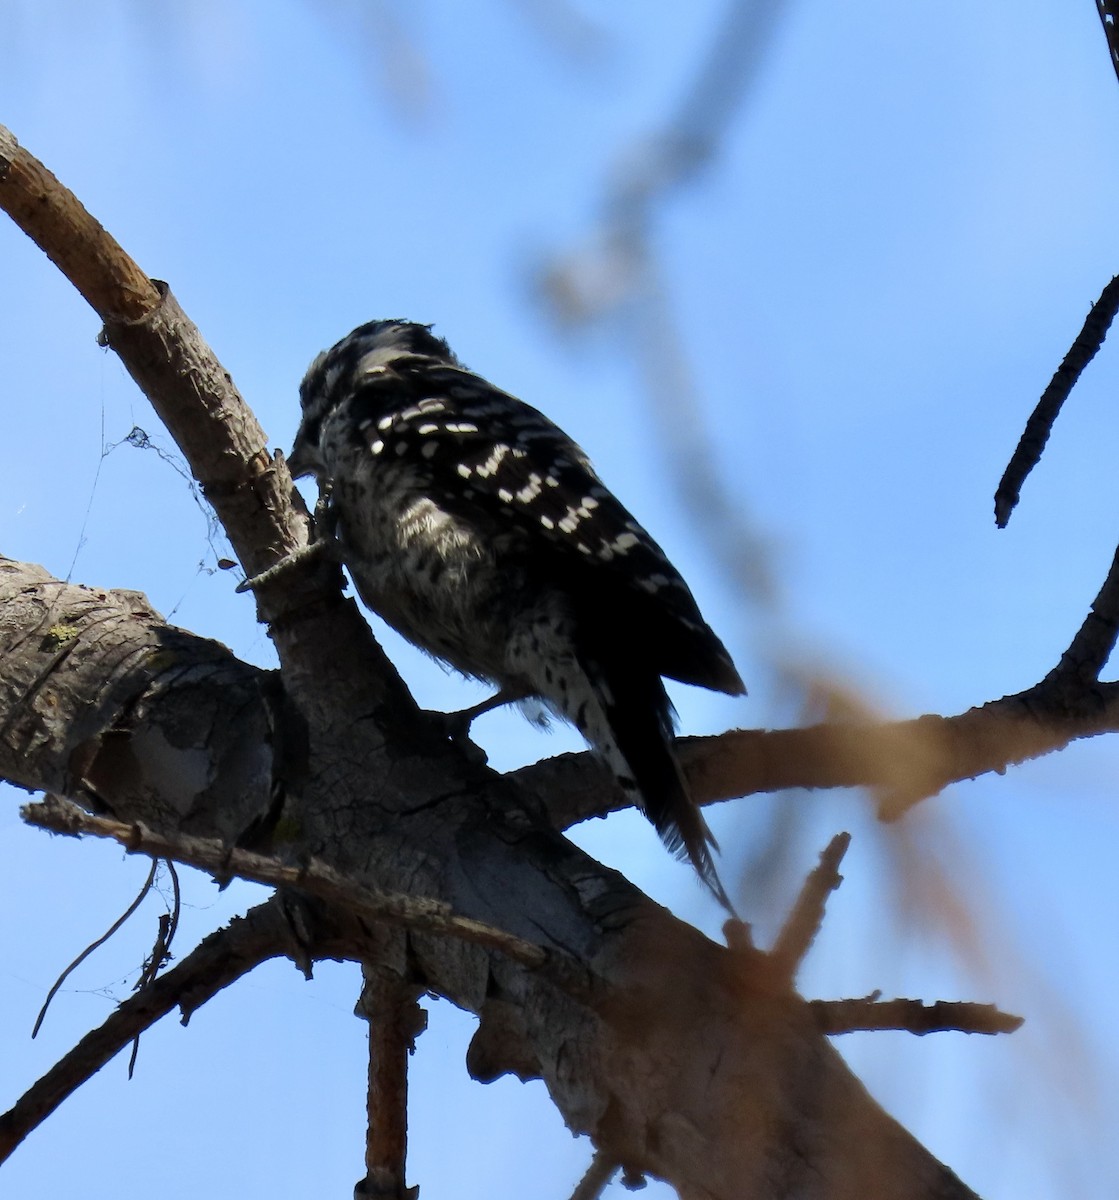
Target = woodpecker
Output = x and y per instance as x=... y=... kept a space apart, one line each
x=479 y=531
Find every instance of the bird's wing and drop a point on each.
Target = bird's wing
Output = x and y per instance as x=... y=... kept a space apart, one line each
x=484 y=449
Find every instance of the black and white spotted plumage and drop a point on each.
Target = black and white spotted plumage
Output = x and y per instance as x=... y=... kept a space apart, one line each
x=476 y=528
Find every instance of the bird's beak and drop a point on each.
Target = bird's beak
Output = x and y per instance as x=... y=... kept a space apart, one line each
x=301 y=459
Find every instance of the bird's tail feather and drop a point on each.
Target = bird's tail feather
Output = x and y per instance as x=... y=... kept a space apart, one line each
x=640 y=719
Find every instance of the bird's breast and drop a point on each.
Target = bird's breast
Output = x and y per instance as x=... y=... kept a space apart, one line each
x=431 y=574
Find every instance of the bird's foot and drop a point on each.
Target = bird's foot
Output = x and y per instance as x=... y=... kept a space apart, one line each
x=305 y=554
x=325 y=544
x=456 y=725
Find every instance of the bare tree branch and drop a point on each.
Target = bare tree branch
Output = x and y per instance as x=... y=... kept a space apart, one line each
x=677 y=1047
x=597 y=1178
x=53 y=217
x=426 y=916
x=218 y=961
x=911 y=1016
x=389 y=1002
x=166 y=355
x=904 y=762
x=1028 y=452
x=804 y=921
x=1089 y=650
x=118 y=635
x=160 y=955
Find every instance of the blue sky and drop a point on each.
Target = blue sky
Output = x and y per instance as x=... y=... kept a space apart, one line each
x=874 y=279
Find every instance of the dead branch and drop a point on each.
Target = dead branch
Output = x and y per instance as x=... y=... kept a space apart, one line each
x=1028 y=452
x=218 y=961
x=597 y=1178
x=72 y=239
x=1089 y=650
x=165 y=353
x=678 y=1049
x=130 y=662
x=389 y=1002
x=902 y=761
x=672 y=1001
x=911 y=1016
x=807 y=915
x=160 y=955
x=59 y=815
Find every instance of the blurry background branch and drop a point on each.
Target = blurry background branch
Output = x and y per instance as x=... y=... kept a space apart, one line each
x=616 y=277
x=911 y=1016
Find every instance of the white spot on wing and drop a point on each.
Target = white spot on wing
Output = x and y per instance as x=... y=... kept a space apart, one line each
x=531 y=489
x=493 y=462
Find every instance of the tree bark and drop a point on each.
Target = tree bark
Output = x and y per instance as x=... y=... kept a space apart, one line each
x=681 y=1058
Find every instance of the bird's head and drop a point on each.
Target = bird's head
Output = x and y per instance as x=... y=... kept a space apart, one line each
x=371 y=350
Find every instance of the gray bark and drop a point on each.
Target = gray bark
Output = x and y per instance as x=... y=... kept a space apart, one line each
x=679 y=1057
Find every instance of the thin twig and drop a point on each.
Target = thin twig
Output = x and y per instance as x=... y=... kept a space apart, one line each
x=314 y=878
x=911 y=1016
x=93 y=946
x=1038 y=427
x=807 y=915
x=218 y=961
x=597 y=1177
x=1090 y=649
x=161 y=951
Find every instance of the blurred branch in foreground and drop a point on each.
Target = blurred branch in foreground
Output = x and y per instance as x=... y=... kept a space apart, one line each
x=617 y=271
